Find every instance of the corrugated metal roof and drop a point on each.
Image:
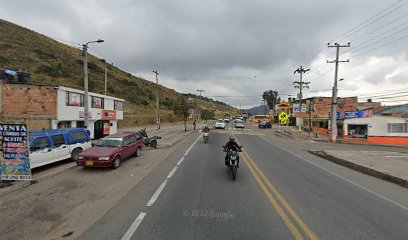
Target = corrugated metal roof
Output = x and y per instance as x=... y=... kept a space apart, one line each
x=392 y=109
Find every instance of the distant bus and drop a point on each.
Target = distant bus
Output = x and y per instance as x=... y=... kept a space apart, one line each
x=260 y=118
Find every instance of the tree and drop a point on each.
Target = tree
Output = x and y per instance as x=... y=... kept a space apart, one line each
x=182 y=109
x=207 y=114
x=271 y=97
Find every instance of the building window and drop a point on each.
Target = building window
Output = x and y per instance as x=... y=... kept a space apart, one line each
x=118 y=105
x=97 y=102
x=64 y=124
x=397 y=128
x=74 y=99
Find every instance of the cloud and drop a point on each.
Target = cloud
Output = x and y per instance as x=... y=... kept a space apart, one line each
x=220 y=45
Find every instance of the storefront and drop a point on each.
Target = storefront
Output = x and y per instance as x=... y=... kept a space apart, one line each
x=104 y=112
x=377 y=129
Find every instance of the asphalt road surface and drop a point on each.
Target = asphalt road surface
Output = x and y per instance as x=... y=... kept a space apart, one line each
x=280 y=192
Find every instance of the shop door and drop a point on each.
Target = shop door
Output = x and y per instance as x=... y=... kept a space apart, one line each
x=99 y=129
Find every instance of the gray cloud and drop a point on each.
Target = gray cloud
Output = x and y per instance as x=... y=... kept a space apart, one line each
x=222 y=44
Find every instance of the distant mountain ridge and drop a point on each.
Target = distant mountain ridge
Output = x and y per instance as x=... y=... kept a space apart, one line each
x=261 y=109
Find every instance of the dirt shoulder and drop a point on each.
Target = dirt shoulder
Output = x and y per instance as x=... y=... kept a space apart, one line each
x=67 y=202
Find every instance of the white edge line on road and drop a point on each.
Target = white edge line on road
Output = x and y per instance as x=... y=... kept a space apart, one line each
x=180 y=161
x=134 y=226
x=345 y=179
x=172 y=172
x=156 y=194
x=192 y=145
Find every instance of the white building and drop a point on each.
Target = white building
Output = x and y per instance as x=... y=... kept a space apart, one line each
x=377 y=129
x=104 y=111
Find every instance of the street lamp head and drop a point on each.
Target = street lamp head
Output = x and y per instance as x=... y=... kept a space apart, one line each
x=100 y=41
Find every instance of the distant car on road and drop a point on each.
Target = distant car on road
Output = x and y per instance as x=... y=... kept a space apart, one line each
x=112 y=150
x=53 y=145
x=265 y=125
x=220 y=123
x=239 y=124
x=226 y=120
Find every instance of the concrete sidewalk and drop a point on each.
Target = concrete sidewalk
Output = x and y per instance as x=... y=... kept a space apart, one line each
x=387 y=165
x=170 y=134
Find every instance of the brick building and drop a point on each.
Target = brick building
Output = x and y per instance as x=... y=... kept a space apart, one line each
x=45 y=107
x=320 y=109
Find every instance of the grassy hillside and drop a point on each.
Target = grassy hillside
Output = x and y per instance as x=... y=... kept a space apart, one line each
x=53 y=63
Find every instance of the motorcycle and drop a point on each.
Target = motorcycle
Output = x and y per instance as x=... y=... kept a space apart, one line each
x=233 y=160
x=152 y=141
x=206 y=136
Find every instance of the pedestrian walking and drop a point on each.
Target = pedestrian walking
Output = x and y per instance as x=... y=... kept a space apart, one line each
x=194 y=124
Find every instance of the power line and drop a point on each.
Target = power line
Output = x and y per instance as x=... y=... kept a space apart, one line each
x=360 y=26
x=380 y=46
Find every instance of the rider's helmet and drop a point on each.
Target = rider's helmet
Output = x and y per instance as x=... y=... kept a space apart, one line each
x=206 y=126
x=232 y=138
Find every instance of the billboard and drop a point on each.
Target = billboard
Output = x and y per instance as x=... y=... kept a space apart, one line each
x=359 y=114
x=15 y=161
x=296 y=107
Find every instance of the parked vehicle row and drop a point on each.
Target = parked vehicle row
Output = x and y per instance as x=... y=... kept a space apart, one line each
x=49 y=146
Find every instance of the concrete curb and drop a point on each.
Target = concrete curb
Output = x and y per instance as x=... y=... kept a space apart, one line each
x=366 y=170
x=364 y=144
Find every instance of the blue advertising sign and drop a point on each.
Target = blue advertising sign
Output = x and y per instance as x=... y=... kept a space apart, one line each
x=359 y=114
x=15 y=162
x=339 y=115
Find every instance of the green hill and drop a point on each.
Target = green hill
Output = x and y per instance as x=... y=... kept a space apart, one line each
x=53 y=63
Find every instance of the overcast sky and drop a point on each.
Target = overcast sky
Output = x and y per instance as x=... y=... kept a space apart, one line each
x=237 y=48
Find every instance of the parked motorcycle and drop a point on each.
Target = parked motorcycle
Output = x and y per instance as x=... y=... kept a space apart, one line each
x=233 y=160
x=152 y=141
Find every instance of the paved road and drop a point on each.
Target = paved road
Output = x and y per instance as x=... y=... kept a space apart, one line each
x=281 y=192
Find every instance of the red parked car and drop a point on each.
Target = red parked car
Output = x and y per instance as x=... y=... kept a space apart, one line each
x=112 y=150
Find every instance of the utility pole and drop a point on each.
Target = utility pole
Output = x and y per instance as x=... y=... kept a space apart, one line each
x=86 y=95
x=106 y=78
x=334 y=95
x=300 y=84
x=157 y=101
x=198 y=105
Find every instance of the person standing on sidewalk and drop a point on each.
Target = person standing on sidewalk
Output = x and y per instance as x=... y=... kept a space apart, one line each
x=194 y=124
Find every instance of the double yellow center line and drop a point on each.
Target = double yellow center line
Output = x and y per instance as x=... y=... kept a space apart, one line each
x=278 y=202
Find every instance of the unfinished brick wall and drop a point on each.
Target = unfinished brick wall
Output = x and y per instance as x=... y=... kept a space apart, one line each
x=32 y=124
x=29 y=100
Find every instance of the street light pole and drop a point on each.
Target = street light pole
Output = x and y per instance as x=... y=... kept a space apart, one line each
x=198 y=105
x=157 y=100
x=86 y=95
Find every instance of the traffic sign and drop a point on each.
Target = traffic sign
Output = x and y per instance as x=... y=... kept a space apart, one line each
x=283 y=116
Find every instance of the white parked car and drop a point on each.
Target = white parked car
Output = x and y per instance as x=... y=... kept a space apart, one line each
x=220 y=123
x=48 y=146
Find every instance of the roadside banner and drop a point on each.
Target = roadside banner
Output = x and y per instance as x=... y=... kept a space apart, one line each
x=15 y=161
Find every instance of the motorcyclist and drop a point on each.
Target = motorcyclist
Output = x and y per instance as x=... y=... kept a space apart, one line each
x=206 y=129
x=231 y=145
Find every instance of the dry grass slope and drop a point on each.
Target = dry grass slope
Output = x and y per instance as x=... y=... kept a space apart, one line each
x=53 y=63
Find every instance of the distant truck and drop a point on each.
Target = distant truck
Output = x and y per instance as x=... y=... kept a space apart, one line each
x=245 y=115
